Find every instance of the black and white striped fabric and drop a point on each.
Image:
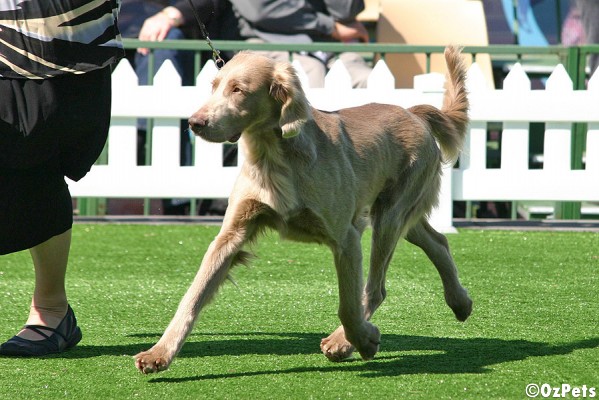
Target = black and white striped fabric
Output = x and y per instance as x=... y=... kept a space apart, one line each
x=40 y=39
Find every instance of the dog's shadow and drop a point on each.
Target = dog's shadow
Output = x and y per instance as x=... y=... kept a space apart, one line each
x=441 y=355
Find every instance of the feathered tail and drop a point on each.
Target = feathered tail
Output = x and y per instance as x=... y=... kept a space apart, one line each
x=449 y=124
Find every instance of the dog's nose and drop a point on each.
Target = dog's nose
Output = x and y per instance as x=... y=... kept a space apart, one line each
x=197 y=121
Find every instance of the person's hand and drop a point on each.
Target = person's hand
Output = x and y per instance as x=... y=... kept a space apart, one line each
x=156 y=27
x=350 y=32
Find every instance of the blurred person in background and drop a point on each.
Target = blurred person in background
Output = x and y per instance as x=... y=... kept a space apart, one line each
x=306 y=21
x=157 y=20
x=589 y=16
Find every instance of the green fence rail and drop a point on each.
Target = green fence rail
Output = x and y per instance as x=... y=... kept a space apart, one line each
x=503 y=53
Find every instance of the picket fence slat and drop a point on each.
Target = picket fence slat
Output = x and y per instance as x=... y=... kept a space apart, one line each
x=338 y=77
x=122 y=139
x=381 y=78
x=515 y=107
x=474 y=155
x=558 y=146
x=166 y=143
x=514 y=146
x=592 y=149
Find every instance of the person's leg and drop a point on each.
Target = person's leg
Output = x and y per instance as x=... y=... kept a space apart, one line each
x=52 y=326
x=49 y=303
x=357 y=67
x=42 y=221
x=314 y=68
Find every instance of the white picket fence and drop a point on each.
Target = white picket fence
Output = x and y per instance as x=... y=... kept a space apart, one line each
x=515 y=106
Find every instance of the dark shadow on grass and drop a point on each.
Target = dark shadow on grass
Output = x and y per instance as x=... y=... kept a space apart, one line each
x=417 y=354
x=447 y=356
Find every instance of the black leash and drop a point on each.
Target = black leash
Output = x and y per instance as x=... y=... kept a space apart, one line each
x=218 y=61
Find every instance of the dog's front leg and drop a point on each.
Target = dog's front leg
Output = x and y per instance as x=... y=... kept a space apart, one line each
x=223 y=252
x=355 y=329
x=211 y=274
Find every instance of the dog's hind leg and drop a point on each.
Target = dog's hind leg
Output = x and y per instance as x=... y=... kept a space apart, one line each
x=436 y=248
x=387 y=229
x=388 y=226
x=355 y=331
x=223 y=252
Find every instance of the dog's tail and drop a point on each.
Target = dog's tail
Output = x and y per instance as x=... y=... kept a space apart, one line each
x=449 y=124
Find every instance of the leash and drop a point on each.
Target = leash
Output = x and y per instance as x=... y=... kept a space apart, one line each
x=218 y=61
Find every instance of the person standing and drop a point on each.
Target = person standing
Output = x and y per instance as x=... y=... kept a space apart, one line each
x=55 y=86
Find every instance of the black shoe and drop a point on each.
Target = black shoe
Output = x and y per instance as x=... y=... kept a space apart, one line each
x=66 y=335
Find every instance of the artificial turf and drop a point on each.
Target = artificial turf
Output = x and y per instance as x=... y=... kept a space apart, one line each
x=535 y=320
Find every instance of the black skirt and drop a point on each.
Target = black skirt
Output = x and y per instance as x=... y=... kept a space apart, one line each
x=49 y=129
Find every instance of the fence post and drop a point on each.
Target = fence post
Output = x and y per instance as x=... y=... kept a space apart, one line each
x=575 y=66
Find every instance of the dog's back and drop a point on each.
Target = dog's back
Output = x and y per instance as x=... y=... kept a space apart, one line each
x=447 y=125
x=375 y=148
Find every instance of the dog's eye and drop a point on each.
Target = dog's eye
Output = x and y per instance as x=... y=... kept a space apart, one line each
x=235 y=89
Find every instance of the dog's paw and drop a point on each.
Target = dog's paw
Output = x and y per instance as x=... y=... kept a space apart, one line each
x=153 y=360
x=461 y=304
x=336 y=347
x=368 y=344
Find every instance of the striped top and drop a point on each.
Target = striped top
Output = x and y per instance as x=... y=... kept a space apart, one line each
x=40 y=39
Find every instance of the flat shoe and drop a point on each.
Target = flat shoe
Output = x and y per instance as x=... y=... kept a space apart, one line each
x=66 y=335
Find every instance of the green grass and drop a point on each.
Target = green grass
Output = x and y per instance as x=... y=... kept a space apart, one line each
x=536 y=320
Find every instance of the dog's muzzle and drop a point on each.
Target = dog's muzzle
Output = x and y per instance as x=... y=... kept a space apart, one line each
x=199 y=126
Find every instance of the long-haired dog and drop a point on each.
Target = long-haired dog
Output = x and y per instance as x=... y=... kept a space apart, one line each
x=324 y=177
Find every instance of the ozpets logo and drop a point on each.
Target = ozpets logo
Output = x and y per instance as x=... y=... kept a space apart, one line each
x=565 y=390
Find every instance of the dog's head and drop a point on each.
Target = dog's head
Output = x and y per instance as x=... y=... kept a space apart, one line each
x=252 y=94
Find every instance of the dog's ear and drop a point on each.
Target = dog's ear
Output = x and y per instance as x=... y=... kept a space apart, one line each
x=287 y=89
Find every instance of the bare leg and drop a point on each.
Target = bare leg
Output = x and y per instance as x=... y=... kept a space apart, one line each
x=436 y=248
x=355 y=329
x=49 y=302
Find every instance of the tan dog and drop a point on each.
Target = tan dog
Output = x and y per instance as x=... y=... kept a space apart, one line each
x=322 y=177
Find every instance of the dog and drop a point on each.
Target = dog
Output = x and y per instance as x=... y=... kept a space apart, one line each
x=324 y=177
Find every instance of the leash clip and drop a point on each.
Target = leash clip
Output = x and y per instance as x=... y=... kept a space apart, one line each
x=218 y=61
